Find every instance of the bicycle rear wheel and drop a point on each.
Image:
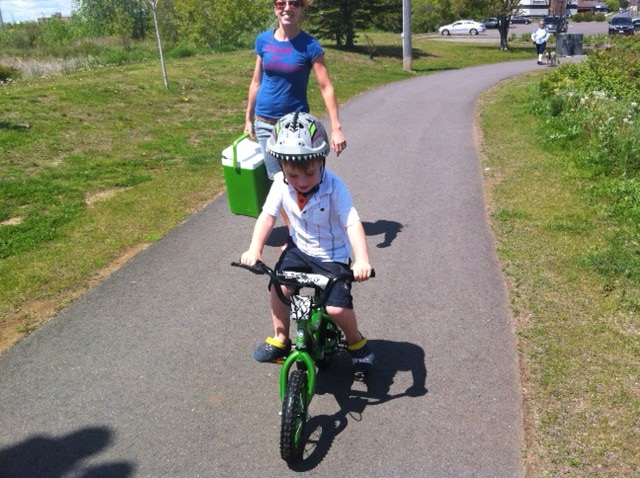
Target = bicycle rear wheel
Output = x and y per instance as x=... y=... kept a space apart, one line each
x=294 y=416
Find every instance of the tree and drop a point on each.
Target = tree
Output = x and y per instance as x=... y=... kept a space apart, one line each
x=219 y=22
x=339 y=20
x=154 y=8
x=504 y=9
x=501 y=9
x=128 y=19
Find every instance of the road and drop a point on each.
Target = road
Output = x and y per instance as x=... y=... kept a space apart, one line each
x=150 y=374
x=518 y=29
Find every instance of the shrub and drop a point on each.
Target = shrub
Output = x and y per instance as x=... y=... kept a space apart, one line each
x=8 y=73
x=182 y=50
x=589 y=17
x=592 y=109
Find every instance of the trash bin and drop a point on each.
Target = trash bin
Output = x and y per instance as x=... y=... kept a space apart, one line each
x=245 y=177
x=569 y=44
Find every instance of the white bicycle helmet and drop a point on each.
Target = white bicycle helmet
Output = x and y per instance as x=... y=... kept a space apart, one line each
x=298 y=137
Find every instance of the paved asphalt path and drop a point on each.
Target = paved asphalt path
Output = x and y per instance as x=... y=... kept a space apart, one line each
x=150 y=374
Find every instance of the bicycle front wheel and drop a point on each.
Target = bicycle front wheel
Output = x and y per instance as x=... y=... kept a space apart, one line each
x=294 y=417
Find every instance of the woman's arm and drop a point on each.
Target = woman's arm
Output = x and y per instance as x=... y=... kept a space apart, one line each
x=338 y=141
x=254 y=86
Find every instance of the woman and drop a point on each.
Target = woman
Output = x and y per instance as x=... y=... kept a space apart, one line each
x=285 y=58
x=540 y=37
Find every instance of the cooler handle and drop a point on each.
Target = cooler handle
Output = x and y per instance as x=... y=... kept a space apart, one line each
x=235 y=151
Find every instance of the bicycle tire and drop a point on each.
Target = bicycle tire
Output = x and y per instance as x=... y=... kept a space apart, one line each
x=294 y=417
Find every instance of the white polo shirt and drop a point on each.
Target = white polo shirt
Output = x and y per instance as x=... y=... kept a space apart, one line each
x=320 y=229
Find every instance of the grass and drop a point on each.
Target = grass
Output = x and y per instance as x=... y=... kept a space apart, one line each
x=578 y=337
x=98 y=163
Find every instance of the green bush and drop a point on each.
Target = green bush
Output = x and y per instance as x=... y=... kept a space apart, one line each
x=182 y=50
x=592 y=109
x=616 y=72
x=8 y=73
x=589 y=17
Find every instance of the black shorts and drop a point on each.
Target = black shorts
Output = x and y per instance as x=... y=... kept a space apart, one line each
x=294 y=259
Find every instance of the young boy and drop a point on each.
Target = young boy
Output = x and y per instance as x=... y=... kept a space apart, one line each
x=325 y=232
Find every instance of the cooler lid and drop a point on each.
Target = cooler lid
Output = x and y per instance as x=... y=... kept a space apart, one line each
x=249 y=155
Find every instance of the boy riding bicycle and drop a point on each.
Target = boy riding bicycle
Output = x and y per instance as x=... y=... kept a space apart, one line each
x=325 y=232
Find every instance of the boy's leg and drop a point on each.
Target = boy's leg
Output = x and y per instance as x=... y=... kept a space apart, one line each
x=346 y=320
x=275 y=348
x=279 y=317
x=362 y=357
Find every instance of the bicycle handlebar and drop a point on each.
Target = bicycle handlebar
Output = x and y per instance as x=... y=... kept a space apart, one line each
x=300 y=279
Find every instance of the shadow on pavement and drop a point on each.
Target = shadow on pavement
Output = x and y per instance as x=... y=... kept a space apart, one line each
x=54 y=457
x=390 y=229
x=354 y=397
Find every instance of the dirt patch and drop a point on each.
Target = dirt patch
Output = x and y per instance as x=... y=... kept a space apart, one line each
x=91 y=199
x=33 y=313
x=14 y=221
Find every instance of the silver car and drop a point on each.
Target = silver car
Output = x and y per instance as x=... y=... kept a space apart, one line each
x=462 y=27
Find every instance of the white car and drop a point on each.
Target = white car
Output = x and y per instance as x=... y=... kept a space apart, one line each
x=462 y=27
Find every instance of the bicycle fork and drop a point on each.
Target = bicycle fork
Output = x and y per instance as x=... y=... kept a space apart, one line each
x=295 y=357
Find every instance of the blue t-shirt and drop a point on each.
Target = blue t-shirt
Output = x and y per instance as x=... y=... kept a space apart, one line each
x=286 y=66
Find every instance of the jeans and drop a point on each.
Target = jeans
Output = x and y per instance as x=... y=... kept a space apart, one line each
x=263 y=132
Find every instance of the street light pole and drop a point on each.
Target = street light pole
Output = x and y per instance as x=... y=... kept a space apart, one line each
x=406 y=34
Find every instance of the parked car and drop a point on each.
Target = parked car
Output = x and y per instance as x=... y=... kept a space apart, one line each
x=621 y=26
x=524 y=20
x=636 y=24
x=555 y=24
x=462 y=27
x=490 y=22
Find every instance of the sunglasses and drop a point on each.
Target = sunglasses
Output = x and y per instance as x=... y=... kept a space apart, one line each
x=292 y=4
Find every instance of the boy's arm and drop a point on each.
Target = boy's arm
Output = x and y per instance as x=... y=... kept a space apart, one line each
x=361 y=266
x=261 y=231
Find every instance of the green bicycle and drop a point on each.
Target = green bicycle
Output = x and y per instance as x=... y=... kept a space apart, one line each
x=318 y=340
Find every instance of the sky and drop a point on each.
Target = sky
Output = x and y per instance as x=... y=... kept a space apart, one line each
x=16 y=11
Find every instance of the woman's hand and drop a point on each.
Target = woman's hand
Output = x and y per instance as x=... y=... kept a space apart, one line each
x=338 y=141
x=248 y=128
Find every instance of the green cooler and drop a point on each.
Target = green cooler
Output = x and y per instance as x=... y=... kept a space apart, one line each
x=245 y=176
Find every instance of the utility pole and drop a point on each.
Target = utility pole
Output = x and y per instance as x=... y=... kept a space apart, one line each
x=406 y=35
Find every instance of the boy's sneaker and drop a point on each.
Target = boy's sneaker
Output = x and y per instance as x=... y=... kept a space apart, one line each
x=362 y=357
x=271 y=350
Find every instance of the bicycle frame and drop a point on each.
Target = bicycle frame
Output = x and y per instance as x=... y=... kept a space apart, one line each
x=311 y=317
x=318 y=338
x=308 y=331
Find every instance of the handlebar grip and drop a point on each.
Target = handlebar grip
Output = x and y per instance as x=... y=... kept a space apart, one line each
x=255 y=269
x=373 y=274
